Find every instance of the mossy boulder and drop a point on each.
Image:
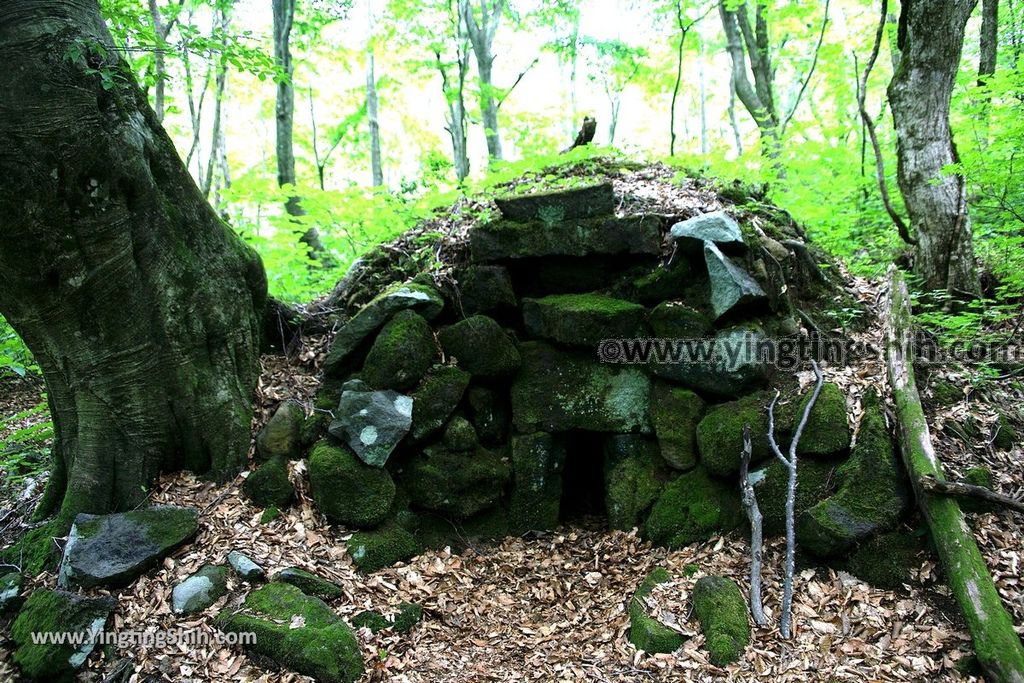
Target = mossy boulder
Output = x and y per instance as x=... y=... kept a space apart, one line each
x=459 y=435
x=270 y=514
x=538 y=460
x=675 y=414
x=200 y=590
x=490 y=414
x=346 y=490
x=1004 y=436
x=480 y=347
x=721 y=610
x=408 y=616
x=645 y=632
x=382 y=547
x=354 y=335
x=728 y=364
x=557 y=391
x=113 y=550
x=10 y=592
x=555 y=206
x=634 y=477
x=371 y=619
x=57 y=612
x=677 y=320
x=662 y=283
x=503 y=239
x=435 y=399
x=310 y=583
x=281 y=436
x=693 y=507
x=459 y=483
x=872 y=496
x=582 y=319
x=720 y=434
x=484 y=289
x=887 y=560
x=827 y=431
x=268 y=485
x=816 y=481
x=300 y=632
x=401 y=354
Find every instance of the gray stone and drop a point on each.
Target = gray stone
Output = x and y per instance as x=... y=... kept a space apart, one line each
x=482 y=289
x=731 y=286
x=675 y=413
x=200 y=590
x=310 y=583
x=57 y=612
x=480 y=347
x=371 y=317
x=717 y=227
x=10 y=591
x=490 y=414
x=634 y=476
x=582 y=319
x=401 y=354
x=506 y=240
x=727 y=365
x=459 y=483
x=281 y=435
x=559 y=205
x=113 y=550
x=372 y=423
x=246 y=569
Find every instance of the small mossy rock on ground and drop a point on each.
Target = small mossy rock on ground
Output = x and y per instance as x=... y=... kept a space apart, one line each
x=692 y=508
x=887 y=560
x=270 y=514
x=299 y=632
x=10 y=592
x=717 y=227
x=401 y=354
x=281 y=436
x=114 y=550
x=409 y=614
x=827 y=431
x=634 y=477
x=459 y=483
x=662 y=283
x=556 y=206
x=505 y=239
x=675 y=414
x=722 y=612
x=382 y=547
x=57 y=612
x=645 y=632
x=582 y=319
x=735 y=364
x=484 y=289
x=720 y=434
x=872 y=496
x=481 y=347
x=245 y=568
x=556 y=391
x=538 y=460
x=372 y=422
x=375 y=621
x=490 y=413
x=1004 y=435
x=435 y=399
x=677 y=320
x=200 y=590
x=412 y=296
x=731 y=286
x=978 y=476
x=309 y=583
x=816 y=481
x=347 y=490
x=268 y=485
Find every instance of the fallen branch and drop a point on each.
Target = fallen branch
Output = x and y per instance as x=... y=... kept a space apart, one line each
x=959 y=489
x=756 y=534
x=996 y=643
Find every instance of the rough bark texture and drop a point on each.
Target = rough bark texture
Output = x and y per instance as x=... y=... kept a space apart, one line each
x=481 y=30
x=139 y=304
x=931 y=35
x=995 y=642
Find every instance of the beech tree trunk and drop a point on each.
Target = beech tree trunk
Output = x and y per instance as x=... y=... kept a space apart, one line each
x=141 y=306
x=931 y=36
x=481 y=31
x=372 y=108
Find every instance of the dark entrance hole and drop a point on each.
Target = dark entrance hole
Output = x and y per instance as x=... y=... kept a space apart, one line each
x=583 y=478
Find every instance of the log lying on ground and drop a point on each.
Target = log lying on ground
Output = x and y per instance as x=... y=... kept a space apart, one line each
x=960 y=489
x=996 y=644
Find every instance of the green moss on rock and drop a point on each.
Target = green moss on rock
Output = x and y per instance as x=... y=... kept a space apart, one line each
x=323 y=647
x=310 y=583
x=582 y=319
x=827 y=431
x=1004 y=435
x=347 y=490
x=401 y=354
x=664 y=282
x=436 y=398
x=409 y=614
x=887 y=560
x=720 y=434
x=722 y=612
x=282 y=434
x=645 y=632
x=978 y=476
x=460 y=483
x=692 y=508
x=382 y=547
x=480 y=347
x=676 y=320
x=269 y=515
x=816 y=481
x=675 y=414
x=268 y=484
x=538 y=460
x=634 y=478
x=373 y=620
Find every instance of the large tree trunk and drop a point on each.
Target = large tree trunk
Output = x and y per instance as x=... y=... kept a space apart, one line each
x=284 y=111
x=931 y=35
x=142 y=308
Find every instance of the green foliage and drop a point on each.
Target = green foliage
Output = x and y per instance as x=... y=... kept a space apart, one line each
x=25 y=439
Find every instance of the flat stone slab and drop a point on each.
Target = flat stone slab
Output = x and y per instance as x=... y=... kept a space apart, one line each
x=728 y=364
x=717 y=227
x=559 y=205
x=731 y=286
x=113 y=550
x=582 y=237
x=582 y=319
x=372 y=423
x=200 y=590
x=58 y=613
x=424 y=300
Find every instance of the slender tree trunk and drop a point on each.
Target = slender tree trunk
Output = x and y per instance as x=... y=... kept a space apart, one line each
x=989 y=43
x=159 y=63
x=705 y=146
x=481 y=31
x=142 y=308
x=733 y=122
x=220 y=85
x=931 y=36
x=376 y=167
x=284 y=16
x=679 y=77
